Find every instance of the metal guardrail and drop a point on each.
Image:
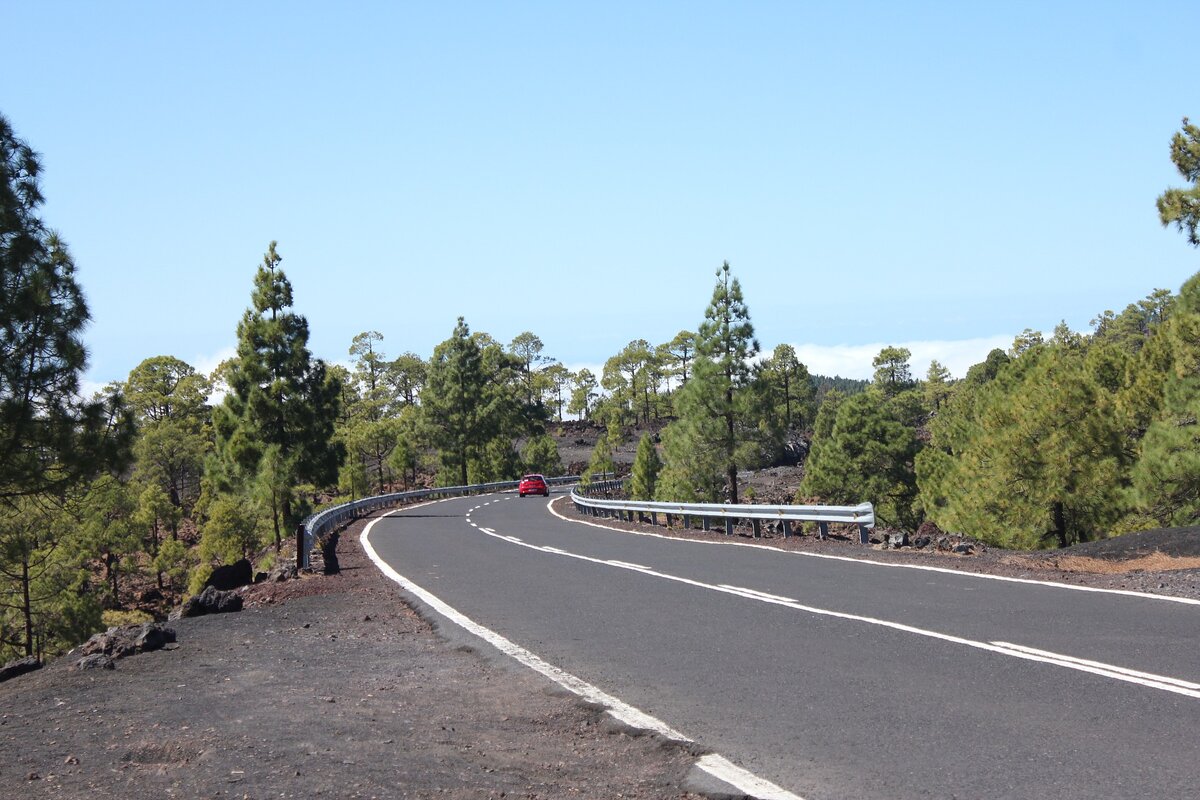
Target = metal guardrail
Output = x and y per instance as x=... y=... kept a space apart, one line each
x=862 y=515
x=314 y=528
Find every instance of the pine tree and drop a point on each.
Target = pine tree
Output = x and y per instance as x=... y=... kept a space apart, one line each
x=51 y=441
x=794 y=383
x=280 y=401
x=867 y=455
x=712 y=407
x=583 y=394
x=169 y=399
x=646 y=466
x=540 y=454
x=1182 y=206
x=1166 y=478
x=455 y=405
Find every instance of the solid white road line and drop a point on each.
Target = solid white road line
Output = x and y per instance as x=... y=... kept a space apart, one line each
x=1102 y=668
x=871 y=562
x=714 y=765
x=1163 y=683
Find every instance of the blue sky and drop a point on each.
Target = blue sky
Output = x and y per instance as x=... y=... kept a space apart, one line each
x=941 y=175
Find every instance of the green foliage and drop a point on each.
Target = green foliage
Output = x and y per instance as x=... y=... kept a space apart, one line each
x=172 y=563
x=45 y=605
x=938 y=386
x=1182 y=206
x=794 y=386
x=1035 y=455
x=846 y=386
x=540 y=454
x=867 y=456
x=892 y=372
x=52 y=443
x=625 y=379
x=234 y=530
x=646 y=466
x=601 y=461
x=557 y=381
x=369 y=427
x=526 y=348
x=1166 y=479
x=50 y=440
x=715 y=429
x=108 y=533
x=692 y=473
x=169 y=398
x=473 y=406
x=115 y=619
x=280 y=402
x=583 y=394
x=679 y=353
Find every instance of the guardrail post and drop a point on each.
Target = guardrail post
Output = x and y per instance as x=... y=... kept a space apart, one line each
x=687 y=521
x=301 y=554
x=824 y=530
x=668 y=516
x=707 y=523
x=864 y=534
x=653 y=517
x=787 y=528
x=757 y=525
x=729 y=526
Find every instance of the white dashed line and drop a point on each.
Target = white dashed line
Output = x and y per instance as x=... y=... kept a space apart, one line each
x=870 y=562
x=756 y=593
x=1163 y=683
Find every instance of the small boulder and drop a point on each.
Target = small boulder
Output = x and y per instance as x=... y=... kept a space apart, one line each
x=19 y=667
x=282 y=572
x=921 y=542
x=897 y=540
x=231 y=576
x=964 y=548
x=95 y=661
x=128 y=640
x=210 y=601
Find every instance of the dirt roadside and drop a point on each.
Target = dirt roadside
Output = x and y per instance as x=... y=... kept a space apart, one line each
x=331 y=686
x=326 y=686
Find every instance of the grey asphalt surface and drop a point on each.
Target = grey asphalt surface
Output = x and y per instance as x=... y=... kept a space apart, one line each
x=828 y=707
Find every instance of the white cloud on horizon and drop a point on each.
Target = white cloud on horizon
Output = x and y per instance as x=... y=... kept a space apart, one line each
x=854 y=360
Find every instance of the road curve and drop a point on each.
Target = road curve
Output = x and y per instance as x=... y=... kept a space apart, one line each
x=832 y=678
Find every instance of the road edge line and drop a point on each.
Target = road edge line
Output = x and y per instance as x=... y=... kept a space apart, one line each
x=715 y=765
x=872 y=562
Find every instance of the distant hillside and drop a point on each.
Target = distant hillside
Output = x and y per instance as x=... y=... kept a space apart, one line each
x=847 y=386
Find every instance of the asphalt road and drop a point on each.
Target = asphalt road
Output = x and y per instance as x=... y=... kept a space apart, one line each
x=833 y=678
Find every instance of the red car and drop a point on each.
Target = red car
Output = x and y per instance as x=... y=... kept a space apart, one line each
x=533 y=484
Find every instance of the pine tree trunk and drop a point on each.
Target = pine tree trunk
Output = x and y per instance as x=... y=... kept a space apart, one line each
x=110 y=564
x=1060 y=524
x=286 y=511
x=275 y=518
x=730 y=443
x=26 y=607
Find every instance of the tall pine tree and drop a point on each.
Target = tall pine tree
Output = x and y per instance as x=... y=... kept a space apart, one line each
x=276 y=424
x=51 y=440
x=711 y=407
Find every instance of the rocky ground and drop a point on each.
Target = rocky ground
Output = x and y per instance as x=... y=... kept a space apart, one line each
x=324 y=686
x=330 y=686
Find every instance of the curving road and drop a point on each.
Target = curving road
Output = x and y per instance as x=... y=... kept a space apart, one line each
x=832 y=678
